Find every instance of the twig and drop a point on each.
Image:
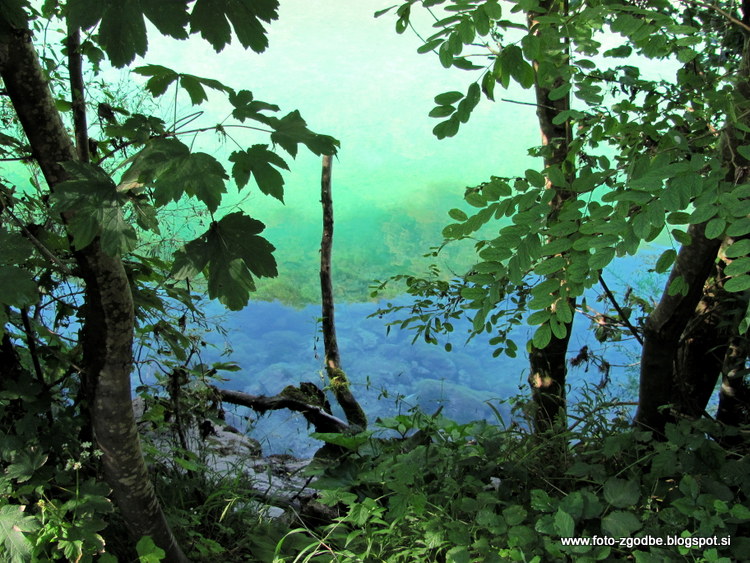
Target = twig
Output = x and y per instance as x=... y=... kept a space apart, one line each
x=43 y=250
x=616 y=305
x=31 y=342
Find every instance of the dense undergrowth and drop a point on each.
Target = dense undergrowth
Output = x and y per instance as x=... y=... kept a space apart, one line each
x=478 y=492
x=417 y=488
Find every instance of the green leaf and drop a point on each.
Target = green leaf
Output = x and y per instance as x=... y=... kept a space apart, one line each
x=14 y=524
x=715 y=227
x=678 y=286
x=559 y=92
x=738 y=266
x=539 y=317
x=430 y=45
x=464 y=64
x=535 y=178
x=564 y=524
x=211 y=18
x=148 y=551
x=621 y=493
x=458 y=215
x=514 y=515
x=169 y=16
x=25 y=464
x=488 y=85
x=173 y=170
x=93 y=207
x=448 y=98
x=194 y=87
x=458 y=554
x=558 y=329
x=447 y=128
x=445 y=55
x=665 y=261
x=260 y=162
x=442 y=111
x=542 y=336
x=744 y=150
x=737 y=284
x=620 y=524
x=122 y=32
x=550 y=266
x=541 y=501
x=229 y=253
x=738 y=249
x=19 y=288
x=291 y=130
x=246 y=107
x=14 y=248
x=739 y=227
x=514 y=64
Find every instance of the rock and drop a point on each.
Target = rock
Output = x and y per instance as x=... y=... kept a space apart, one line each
x=225 y=442
x=278 y=481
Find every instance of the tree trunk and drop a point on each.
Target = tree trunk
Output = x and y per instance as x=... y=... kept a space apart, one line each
x=548 y=366
x=107 y=333
x=667 y=346
x=355 y=416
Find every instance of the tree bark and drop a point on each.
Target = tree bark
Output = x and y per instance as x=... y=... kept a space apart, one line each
x=340 y=386
x=107 y=333
x=548 y=365
x=665 y=326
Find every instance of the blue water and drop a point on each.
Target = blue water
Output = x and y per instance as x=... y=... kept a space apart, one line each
x=276 y=346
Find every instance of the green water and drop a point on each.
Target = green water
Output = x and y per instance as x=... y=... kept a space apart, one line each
x=353 y=77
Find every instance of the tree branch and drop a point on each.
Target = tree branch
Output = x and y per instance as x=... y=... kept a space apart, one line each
x=315 y=415
x=77 y=93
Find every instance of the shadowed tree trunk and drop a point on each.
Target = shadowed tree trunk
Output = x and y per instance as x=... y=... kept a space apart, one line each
x=548 y=366
x=734 y=396
x=107 y=333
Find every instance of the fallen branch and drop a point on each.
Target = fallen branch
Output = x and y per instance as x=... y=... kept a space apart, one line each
x=315 y=415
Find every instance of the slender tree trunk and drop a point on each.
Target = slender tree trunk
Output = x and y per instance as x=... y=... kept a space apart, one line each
x=548 y=365
x=107 y=333
x=355 y=416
